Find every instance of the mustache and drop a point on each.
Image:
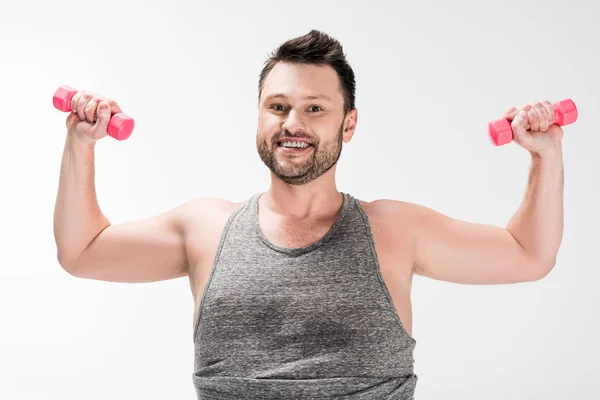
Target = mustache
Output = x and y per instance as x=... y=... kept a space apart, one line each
x=287 y=135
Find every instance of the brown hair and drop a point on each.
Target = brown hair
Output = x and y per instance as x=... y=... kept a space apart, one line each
x=316 y=48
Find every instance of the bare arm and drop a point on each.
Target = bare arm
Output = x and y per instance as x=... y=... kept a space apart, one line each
x=538 y=224
x=88 y=246
x=451 y=250
x=526 y=249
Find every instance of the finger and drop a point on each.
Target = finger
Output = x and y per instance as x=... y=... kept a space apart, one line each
x=72 y=119
x=543 y=114
x=82 y=103
x=550 y=110
x=75 y=101
x=510 y=113
x=90 y=110
x=114 y=106
x=534 y=118
x=104 y=114
x=520 y=126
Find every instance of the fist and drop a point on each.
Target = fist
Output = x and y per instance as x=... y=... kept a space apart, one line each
x=533 y=126
x=90 y=115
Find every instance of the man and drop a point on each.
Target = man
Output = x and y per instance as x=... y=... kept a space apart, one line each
x=303 y=291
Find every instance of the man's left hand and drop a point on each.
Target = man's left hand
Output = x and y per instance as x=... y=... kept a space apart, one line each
x=533 y=127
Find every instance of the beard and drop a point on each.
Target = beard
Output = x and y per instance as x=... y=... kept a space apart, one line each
x=324 y=156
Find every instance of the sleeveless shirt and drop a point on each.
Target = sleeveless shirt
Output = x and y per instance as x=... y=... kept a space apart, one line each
x=300 y=323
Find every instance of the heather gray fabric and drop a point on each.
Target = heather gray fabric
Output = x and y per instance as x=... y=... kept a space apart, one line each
x=305 y=323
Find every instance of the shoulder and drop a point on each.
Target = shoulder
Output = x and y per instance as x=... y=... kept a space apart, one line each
x=393 y=224
x=389 y=211
x=205 y=212
x=209 y=205
x=395 y=217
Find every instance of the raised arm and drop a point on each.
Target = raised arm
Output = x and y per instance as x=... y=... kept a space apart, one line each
x=525 y=250
x=88 y=246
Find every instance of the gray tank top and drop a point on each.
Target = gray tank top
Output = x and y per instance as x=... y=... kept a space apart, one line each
x=304 y=323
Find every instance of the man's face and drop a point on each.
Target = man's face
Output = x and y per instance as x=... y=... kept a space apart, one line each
x=301 y=123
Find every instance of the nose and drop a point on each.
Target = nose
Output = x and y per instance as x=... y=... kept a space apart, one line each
x=293 y=123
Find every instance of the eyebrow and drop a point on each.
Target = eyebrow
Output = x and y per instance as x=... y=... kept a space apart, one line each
x=311 y=97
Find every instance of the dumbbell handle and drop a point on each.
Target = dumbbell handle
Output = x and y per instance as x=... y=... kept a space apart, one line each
x=500 y=130
x=120 y=125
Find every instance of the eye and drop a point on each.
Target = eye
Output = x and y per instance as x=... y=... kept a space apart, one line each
x=277 y=107
x=315 y=108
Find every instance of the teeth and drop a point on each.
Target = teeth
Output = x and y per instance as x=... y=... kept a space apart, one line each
x=300 y=145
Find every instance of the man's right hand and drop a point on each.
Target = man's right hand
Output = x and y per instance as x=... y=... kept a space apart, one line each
x=91 y=114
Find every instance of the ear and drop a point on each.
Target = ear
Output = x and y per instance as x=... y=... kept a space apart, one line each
x=350 y=125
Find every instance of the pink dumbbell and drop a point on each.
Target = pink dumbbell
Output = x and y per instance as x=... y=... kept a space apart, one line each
x=500 y=131
x=120 y=125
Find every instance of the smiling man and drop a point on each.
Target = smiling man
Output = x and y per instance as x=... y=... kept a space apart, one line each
x=303 y=291
x=294 y=154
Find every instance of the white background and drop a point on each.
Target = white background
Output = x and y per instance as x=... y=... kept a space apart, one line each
x=430 y=76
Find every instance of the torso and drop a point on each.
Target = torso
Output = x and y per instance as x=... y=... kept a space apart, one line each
x=392 y=243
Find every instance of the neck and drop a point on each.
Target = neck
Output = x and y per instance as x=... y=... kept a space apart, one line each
x=317 y=199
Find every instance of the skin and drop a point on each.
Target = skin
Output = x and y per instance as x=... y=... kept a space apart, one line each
x=304 y=102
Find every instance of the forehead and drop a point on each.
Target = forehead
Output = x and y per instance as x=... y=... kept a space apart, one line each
x=299 y=80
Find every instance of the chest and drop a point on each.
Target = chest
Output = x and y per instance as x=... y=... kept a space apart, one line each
x=292 y=233
x=392 y=252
